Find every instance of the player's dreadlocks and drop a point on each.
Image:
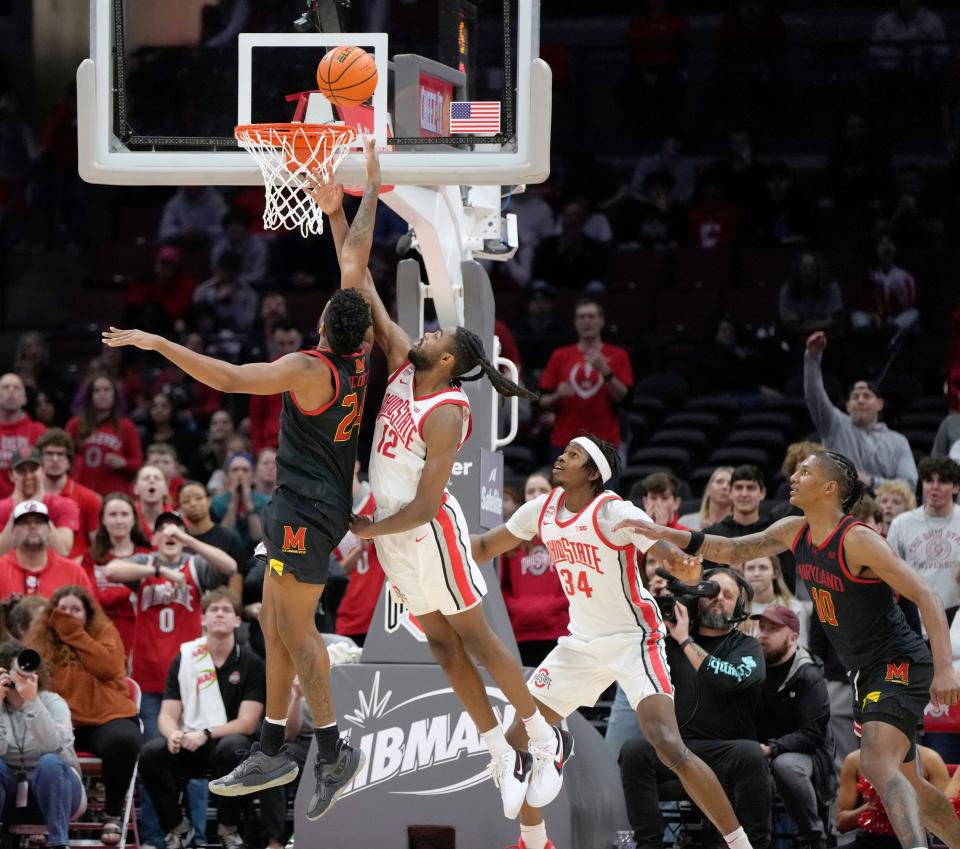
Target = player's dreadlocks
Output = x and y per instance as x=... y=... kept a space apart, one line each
x=842 y=470
x=612 y=457
x=468 y=354
x=347 y=319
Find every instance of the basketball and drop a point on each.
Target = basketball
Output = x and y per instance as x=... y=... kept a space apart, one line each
x=347 y=76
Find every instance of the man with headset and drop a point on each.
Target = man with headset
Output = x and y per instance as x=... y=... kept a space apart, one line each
x=718 y=675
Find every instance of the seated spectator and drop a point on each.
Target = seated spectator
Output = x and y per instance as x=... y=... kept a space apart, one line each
x=36 y=738
x=718 y=680
x=656 y=222
x=810 y=300
x=769 y=588
x=273 y=307
x=108 y=444
x=87 y=666
x=879 y=453
x=233 y=302
x=161 y=299
x=716 y=504
x=793 y=725
x=714 y=222
x=236 y=444
x=359 y=561
x=265 y=472
x=868 y=511
x=858 y=166
x=163 y=456
x=669 y=159
x=265 y=409
x=212 y=454
x=661 y=499
x=908 y=38
x=205 y=729
x=252 y=249
x=31 y=361
x=150 y=497
x=48 y=408
x=783 y=215
x=908 y=217
x=64 y=518
x=21 y=613
x=894 y=497
x=536 y=603
x=194 y=505
x=741 y=173
x=238 y=508
x=891 y=296
x=56 y=454
x=540 y=330
x=535 y=222
x=33 y=567
x=731 y=363
x=193 y=215
x=119 y=536
x=571 y=259
x=747 y=489
x=947 y=441
x=17 y=430
x=166 y=425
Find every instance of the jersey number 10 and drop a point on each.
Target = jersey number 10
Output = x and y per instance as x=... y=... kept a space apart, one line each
x=826 y=612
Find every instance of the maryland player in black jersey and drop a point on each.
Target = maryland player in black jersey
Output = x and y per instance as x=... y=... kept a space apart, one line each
x=851 y=573
x=323 y=397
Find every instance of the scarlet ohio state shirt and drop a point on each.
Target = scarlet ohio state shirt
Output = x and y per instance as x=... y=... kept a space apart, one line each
x=90 y=465
x=366 y=580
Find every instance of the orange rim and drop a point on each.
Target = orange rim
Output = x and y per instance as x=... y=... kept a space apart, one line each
x=312 y=142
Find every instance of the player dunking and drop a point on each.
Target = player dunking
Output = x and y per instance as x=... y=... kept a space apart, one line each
x=323 y=394
x=419 y=529
x=849 y=570
x=616 y=633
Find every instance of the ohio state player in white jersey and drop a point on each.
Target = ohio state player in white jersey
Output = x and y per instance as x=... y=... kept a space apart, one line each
x=616 y=633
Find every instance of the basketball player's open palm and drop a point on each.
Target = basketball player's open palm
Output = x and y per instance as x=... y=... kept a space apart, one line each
x=117 y=338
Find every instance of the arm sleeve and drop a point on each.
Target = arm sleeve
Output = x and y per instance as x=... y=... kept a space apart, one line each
x=825 y=416
x=48 y=718
x=895 y=539
x=171 y=690
x=614 y=512
x=523 y=523
x=940 y=446
x=207 y=577
x=102 y=656
x=65 y=514
x=813 y=717
x=741 y=666
x=906 y=465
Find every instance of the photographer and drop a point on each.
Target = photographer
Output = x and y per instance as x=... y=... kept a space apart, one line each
x=718 y=677
x=39 y=770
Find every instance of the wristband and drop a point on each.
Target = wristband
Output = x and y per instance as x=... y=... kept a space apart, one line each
x=686 y=642
x=696 y=542
x=209 y=734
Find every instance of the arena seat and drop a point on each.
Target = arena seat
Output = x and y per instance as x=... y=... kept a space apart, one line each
x=684 y=313
x=694 y=441
x=769 y=420
x=675 y=459
x=709 y=423
x=671 y=388
x=771 y=441
x=722 y=406
x=739 y=455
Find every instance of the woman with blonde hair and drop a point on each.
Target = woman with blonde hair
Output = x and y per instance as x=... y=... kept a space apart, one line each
x=84 y=655
x=716 y=503
x=766 y=577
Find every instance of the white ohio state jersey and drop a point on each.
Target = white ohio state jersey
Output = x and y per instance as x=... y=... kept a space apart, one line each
x=597 y=566
x=399 y=451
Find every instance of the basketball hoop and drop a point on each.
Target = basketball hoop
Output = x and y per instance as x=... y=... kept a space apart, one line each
x=288 y=155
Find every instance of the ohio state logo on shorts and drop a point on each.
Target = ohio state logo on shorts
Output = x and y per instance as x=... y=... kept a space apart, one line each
x=542 y=679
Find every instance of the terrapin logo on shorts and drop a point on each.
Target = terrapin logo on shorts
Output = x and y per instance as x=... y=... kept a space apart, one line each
x=542 y=680
x=294 y=541
x=898 y=673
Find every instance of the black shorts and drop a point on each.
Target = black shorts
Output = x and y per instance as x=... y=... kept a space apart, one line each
x=895 y=692
x=299 y=534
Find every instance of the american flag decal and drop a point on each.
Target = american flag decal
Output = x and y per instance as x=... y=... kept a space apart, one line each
x=477 y=118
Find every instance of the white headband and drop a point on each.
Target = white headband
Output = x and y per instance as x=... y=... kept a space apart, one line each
x=596 y=455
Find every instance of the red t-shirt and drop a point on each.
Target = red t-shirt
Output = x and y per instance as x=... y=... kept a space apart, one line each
x=265 y=421
x=90 y=467
x=366 y=580
x=63 y=512
x=590 y=407
x=13 y=438
x=536 y=603
x=88 y=507
x=115 y=599
x=714 y=225
x=59 y=572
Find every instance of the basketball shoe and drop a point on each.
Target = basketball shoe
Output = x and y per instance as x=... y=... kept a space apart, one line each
x=333 y=777
x=521 y=845
x=258 y=771
x=511 y=773
x=546 y=777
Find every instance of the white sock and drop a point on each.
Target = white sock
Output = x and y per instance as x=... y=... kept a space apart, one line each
x=737 y=839
x=282 y=722
x=537 y=728
x=534 y=836
x=495 y=740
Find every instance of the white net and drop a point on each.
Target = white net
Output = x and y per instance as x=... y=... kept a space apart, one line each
x=289 y=154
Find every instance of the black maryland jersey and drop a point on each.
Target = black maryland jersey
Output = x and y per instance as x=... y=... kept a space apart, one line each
x=859 y=615
x=319 y=447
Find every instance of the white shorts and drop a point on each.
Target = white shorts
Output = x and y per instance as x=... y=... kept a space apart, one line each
x=431 y=567
x=577 y=671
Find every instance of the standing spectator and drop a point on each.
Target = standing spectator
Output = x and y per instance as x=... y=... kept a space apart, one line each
x=212 y=454
x=161 y=299
x=163 y=456
x=947 y=441
x=928 y=538
x=33 y=567
x=194 y=214
x=891 y=293
x=17 y=429
x=538 y=608
x=28 y=486
x=770 y=590
x=87 y=666
x=56 y=456
x=716 y=504
x=894 y=497
x=239 y=507
x=793 y=725
x=878 y=453
x=714 y=221
x=118 y=537
x=265 y=409
x=108 y=444
x=571 y=258
x=747 y=489
x=167 y=425
x=661 y=499
x=194 y=506
x=233 y=302
x=265 y=472
x=36 y=742
x=251 y=247
x=150 y=497
x=810 y=299
x=585 y=382
x=205 y=728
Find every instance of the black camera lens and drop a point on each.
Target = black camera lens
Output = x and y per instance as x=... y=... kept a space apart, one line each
x=28 y=660
x=667 y=605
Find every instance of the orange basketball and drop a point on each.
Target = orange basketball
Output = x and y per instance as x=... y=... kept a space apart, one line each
x=347 y=76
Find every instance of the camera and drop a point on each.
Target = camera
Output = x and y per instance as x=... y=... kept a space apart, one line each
x=27 y=661
x=686 y=594
x=668 y=606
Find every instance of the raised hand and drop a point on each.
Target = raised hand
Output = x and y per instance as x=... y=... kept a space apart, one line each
x=817 y=342
x=117 y=338
x=324 y=192
x=372 y=161
x=687 y=568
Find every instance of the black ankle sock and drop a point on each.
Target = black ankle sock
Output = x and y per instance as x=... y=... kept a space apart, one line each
x=271 y=737
x=327 y=742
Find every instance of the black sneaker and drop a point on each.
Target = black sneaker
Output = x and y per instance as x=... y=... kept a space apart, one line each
x=332 y=778
x=256 y=772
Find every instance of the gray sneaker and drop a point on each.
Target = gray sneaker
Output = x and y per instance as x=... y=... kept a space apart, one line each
x=332 y=778
x=257 y=772
x=181 y=837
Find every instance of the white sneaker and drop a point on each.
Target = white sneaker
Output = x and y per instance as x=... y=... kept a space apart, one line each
x=511 y=773
x=546 y=777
